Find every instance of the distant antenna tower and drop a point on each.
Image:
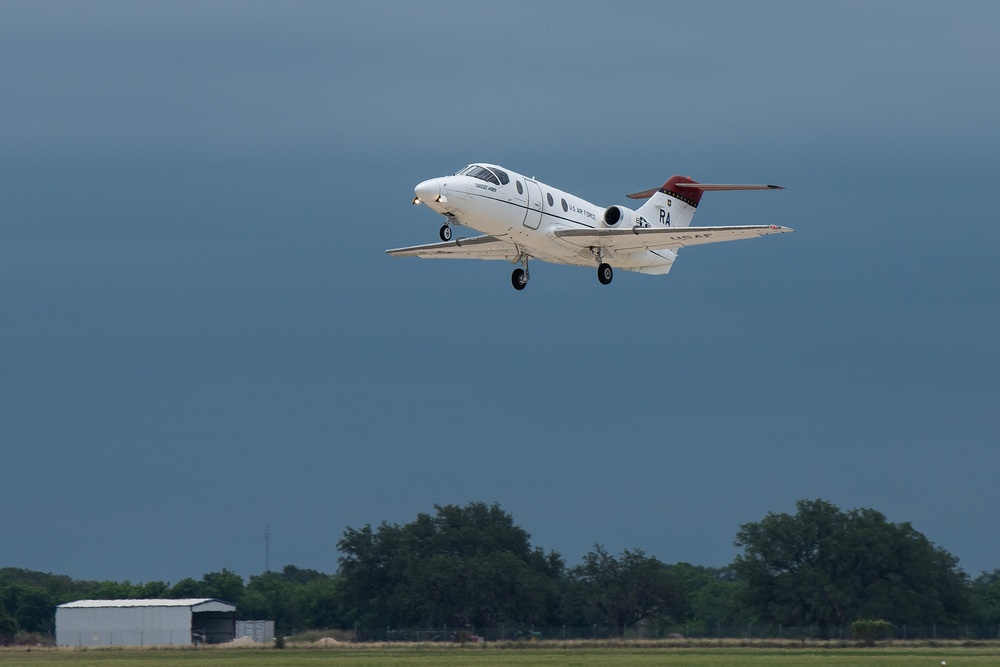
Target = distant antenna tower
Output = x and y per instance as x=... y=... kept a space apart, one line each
x=267 y=548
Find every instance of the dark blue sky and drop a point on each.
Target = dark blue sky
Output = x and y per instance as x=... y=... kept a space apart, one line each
x=201 y=334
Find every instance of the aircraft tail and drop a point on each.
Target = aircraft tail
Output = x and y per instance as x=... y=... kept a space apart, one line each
x=675 y=204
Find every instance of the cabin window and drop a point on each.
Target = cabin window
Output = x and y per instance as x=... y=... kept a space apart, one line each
x=520 y=190
x=565 y=206
x=549 y=195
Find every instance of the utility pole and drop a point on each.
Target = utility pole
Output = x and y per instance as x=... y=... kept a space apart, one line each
x=267 y=548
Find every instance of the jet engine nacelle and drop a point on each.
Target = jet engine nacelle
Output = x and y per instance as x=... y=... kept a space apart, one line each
x=618 y=215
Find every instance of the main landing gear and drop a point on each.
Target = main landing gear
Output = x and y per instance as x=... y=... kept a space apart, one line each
x=604 y=272
x=519 y=278
x=445 y=232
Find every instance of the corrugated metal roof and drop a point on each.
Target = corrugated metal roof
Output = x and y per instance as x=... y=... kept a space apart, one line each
x=185 y=602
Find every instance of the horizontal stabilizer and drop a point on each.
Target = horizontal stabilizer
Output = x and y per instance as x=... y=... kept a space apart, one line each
x=712 y=187
x=703 y=187
x=645 y=194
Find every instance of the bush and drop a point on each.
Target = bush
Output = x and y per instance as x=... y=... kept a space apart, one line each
x=867 y=632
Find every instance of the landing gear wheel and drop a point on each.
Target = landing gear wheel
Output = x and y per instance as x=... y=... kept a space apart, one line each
x=445 y=233
x=519 y=279
x=605 y=274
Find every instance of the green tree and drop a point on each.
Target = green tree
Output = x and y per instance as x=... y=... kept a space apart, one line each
x=462 y=566
x=112 y=590
x=692 y=581
x=827 y=567
x=60 y=587
x=150 y=591
x=300 y=575
x=721 y=603
x=295 y=599
x=225 y=585
x=188 y=588
x=622 y=591
x=8 y=626
x=322 y=603
x=986 y=594
x=274 y=597
x=31 y=607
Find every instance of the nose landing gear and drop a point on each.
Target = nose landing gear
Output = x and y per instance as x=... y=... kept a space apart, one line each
x=445 y=232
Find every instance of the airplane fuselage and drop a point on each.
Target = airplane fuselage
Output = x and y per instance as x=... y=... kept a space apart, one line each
x=522 y=218
x=528 y=213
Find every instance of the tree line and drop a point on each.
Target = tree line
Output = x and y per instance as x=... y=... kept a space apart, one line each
x=471 y=566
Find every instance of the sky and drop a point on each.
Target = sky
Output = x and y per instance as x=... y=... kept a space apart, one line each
x=201 y=337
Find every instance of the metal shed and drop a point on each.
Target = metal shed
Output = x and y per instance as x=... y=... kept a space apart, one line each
x=145 y=622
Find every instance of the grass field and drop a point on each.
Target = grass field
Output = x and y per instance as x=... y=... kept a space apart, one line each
x=473 y=656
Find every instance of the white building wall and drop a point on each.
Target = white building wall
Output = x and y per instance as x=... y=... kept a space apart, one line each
x=123 y=626
x=261 y=632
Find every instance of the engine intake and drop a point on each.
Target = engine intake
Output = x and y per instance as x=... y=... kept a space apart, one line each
x=617 y=215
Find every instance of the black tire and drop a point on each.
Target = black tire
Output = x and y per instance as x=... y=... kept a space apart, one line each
x=605 y=274
x=518 y=279
x=445 y=233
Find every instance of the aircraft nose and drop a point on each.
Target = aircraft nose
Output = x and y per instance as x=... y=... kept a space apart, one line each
x=428 y=191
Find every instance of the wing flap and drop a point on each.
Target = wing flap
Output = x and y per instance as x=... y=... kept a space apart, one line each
x=659 y=238
x=477 y=247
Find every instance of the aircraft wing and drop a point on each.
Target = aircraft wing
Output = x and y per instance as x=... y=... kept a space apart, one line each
x=477 y=247
x=659 y=238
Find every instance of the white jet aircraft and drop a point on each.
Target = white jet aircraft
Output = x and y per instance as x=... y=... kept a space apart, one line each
x=522 y=218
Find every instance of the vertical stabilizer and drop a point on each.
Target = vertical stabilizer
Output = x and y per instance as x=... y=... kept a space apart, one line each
x=672 y=205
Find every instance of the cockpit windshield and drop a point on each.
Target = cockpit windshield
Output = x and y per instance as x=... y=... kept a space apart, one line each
x=488 y=174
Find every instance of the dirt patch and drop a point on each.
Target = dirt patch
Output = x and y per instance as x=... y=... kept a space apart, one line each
x=326 y=641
